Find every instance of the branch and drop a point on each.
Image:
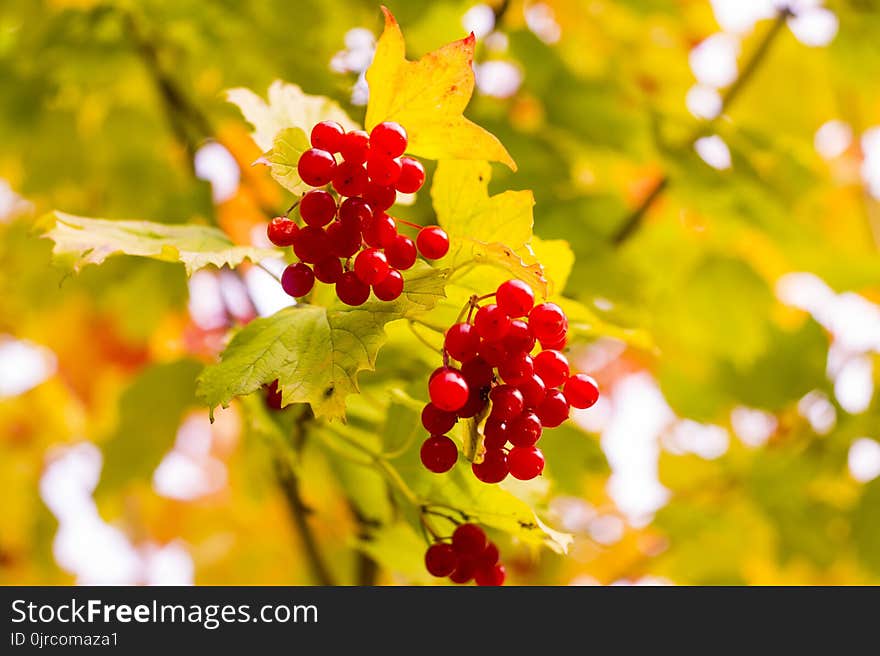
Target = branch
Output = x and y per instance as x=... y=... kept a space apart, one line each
x=634 y=220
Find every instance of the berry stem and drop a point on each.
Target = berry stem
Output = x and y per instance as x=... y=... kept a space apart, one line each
x=269 y=271
x=421 y=338
x=408 y=223
x=291 y=208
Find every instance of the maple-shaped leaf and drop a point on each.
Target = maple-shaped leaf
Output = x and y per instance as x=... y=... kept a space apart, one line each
x=428 y=97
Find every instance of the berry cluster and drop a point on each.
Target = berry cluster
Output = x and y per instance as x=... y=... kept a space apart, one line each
x=354 y=244
x=529 y=388
x=470 y=556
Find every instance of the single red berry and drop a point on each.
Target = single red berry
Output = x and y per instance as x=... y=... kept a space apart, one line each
x=465 y=570
x=273 y=395
x=371 y=266
x=474 y=405
x=519 y=337
x=440 y=559
x=401 y=252
x=477 y=372
x=433 y=242
x=525 y=429
x=493 y=469
x=462 y=342
x=533 y=390
x=581 y=391
x=350 y=179
x=515 y=297
x=327 y=135
x=388 y=139
x=316 y=167
x=448 y=390
x=379 y=230
x=492 y=323
x=351 y=290
x=328 y=270
x=311 y=244
x=412 y=175
x=317 y=208
x=493 y=352
x=495 y=433
x=525 y=462
x=546 y=320
x=516 y=367
x=556 y=342
x=383 y=170
x=282 y=231
x=438 y=454
x=553 y=410
x=380 y=197
x=438 y=371
x=490 y=576
x=355 y=147
x=344 y=240
x=297 y=279
x=391 y=286
x=469 y=540
x=490 y=555
x=355 y=212
x=437 y=421
x=552 y=367
x=507 y=401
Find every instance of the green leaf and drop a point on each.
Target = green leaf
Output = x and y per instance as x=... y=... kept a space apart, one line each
x=143 y=435
x=80 y=241
x=314 y=352
x=287 y=147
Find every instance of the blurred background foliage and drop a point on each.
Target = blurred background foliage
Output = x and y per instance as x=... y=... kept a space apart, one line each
x=715 y=167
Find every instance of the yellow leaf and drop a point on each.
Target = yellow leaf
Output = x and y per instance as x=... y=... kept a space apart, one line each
x=428 y=97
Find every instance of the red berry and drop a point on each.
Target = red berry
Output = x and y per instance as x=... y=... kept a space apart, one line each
x=469 y=540
x=477 y=372
x=493 y=352
x=495 y=433
x=380 y=197
x=433 y=242
x=388 y=139
x=273 y=395
x=448 y=390
x=355 y=147
x=555 y=343
x=581 y=391
x=438 y=454
x=465 y=570
x=351 y=290
x=525 y=462
x=379 y=230
x=490 y=555
x=518 y=337
x=507 y=401
x=383 y=170
x=327 y=135
x=355 y=212
x=515 y=297
x=282 y=231
x=437 y=421
x=525 y=430
x=391 y=286
x=440 y=559
x=462 y=342
x=553 y=410
x=552 y=367
x=412 y=175
x=344 y=240
x=533 y=390
x=350 y=179
x=546 y=320
x=371 y=266
x=516 y=367
x=317 y=208
x=297 y=279
x=401 y=252
x=316 y=167
x=328 y=270
x=492 y=323
x=311 y=244
x=493 y=575
x=493 y=469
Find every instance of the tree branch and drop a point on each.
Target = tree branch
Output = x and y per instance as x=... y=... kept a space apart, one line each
x=634 y=219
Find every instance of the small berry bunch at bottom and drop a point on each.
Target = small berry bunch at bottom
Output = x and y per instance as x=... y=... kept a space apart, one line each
x=470 y=555
x=354 y=244
x=529 y=388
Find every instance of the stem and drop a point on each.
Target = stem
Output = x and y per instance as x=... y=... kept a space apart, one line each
x=409 y=223
x=634 y=220
x=421 y=338
x=269 y=271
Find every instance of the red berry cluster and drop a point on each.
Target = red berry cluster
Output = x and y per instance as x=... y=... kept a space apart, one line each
x=470 y=556
x=529 y=389
x=354 y=244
